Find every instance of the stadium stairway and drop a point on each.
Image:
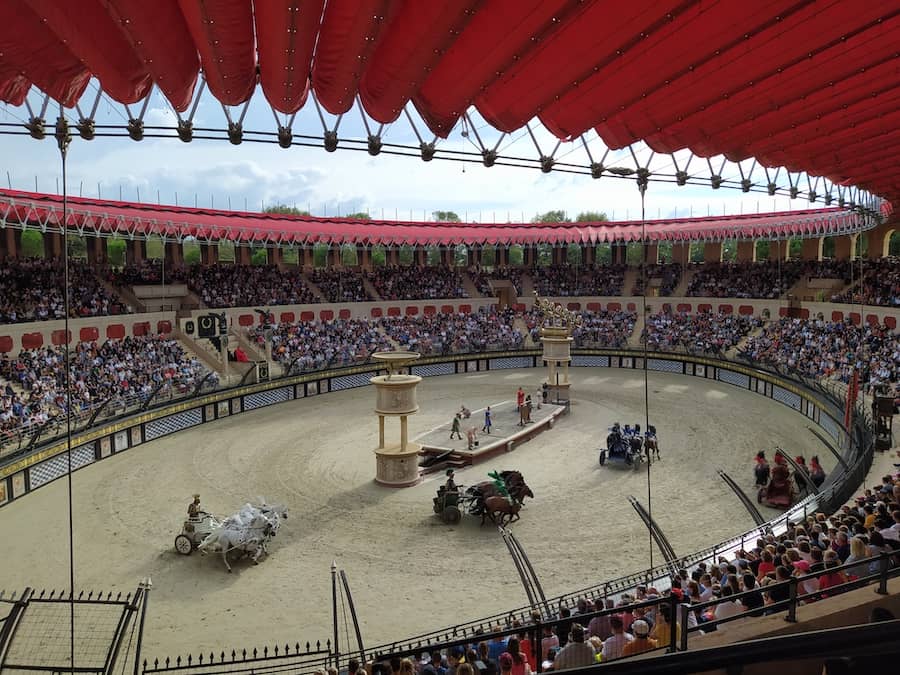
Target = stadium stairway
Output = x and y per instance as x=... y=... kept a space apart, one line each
x=520 y=325
x=312 y=287
x=469 y=285
x=125 y=294
x=370 y=289
x=756 y=332
x=527 y=288
x=629 y=280
x=681 y=289
x=634 y=340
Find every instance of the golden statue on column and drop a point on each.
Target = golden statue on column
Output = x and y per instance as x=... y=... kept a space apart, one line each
x=556 y=338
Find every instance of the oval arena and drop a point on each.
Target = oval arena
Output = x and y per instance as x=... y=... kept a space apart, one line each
x=391 y=427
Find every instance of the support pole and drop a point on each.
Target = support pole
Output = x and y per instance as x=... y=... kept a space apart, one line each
x=334 y=616
x=359 y=640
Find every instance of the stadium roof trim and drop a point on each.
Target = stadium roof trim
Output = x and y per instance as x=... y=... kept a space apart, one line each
x=800 y=84
x=174 y=223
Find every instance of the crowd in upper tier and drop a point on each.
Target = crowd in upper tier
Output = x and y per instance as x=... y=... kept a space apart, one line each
x=31 y=289
x=122 y=373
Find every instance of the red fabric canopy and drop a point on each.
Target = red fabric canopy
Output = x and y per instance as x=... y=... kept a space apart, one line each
x=797 y=83
x=128 y=219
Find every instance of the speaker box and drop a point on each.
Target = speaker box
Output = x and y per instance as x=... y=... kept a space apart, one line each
x=262 y=371
x=884 y=405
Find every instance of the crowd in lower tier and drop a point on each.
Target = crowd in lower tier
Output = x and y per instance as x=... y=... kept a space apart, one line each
x=705 y=333
x=126 y=372
x=32 y=290
x=828 y=349
x=485 y=330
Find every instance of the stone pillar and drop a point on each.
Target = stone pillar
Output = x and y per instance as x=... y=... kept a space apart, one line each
x=842 y=248
x=778 y=250
x=419 y=256
x=447 y=256
x=364 y=256
x=275 y=256
x=242 y=254
x=528 y=256
x=812 y=248
x=746 y=251
x=13 y=243
x=52 y=245
x=878 y=240
x=174 y=254
x=337 y=261
x=393 y=256
x=712 y=252
x=134 y=252
x=651 y=252
x=209 y=254
x=588 y=254
x=501 y=255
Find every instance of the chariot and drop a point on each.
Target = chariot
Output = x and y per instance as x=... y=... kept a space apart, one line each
x=194 y=531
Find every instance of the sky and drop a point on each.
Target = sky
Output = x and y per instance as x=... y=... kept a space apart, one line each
x=254 y=175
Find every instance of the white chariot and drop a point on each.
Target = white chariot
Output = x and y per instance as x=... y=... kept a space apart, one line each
x=194 y=531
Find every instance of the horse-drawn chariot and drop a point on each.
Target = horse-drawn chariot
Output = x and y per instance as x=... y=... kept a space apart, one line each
x=498 y=500
x=194 y=531
x=624 y=448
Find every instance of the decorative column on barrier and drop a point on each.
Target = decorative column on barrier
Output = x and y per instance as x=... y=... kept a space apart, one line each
x=397 y=465
x=556 y=338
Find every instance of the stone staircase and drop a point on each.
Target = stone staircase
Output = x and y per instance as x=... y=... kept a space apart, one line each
x=733 y=352
x=469 y=285
x=634 y=340
x=527 y=287
x=632 y=274
x=312 y=287
x=125 y=294
x=681 y=289
x=370 y=289
x=520 y=325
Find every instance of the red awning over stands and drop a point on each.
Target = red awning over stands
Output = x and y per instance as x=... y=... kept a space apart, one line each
x=87 y=216
x=806 y=84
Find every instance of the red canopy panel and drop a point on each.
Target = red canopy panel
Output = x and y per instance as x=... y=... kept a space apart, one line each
x=13 y=87
x=32 y=51
x=491 y=43
x=111 y=59
x=567 y=57
x=223 y=34
x=635 y=66
x=286 y=34
x=89 y=215
x=409 y=50
x=160 y=37
x=350 y=31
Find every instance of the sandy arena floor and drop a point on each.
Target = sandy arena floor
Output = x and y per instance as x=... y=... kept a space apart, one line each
x=405 y=567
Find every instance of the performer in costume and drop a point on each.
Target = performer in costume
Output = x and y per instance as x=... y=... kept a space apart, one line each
x=194 y=508
x=500 y=484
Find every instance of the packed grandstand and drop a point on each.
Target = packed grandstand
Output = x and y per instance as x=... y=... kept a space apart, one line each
x=125 y=373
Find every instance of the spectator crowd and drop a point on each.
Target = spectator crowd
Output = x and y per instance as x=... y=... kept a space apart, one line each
x=126 y=371
x=704 y=333
x=417 y=283
x=248 y=286
x=340 y=285
x=32 y=290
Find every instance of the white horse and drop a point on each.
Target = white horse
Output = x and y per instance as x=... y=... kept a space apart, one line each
x=248 y=531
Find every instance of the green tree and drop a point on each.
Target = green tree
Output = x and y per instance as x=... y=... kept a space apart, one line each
x=348 y=255
x=516 y=256
x=695 y=253
x=591 y=217
x=259 y=256
x=77 y=247
x=446 y=216
x=488 y=256
x=155 y=248
x=634 y=253
x=544 y=255
x=359 y=215
x=405 y=256
x=893 y=244
x=320 y=255
x=285 y=210
x=32 y=244
x=290 y=255
x=664 y=249
x=729 y=250
x=433 y=256
x=115 y=252
x=862 y=245
x=573 y=254
x=762 y=250
x=552 y=217
x=226 y=251
x=603 y=254
x=190 y=251
x=828 y=247
x=379 y=256
x=795 y=249
x=461 y=256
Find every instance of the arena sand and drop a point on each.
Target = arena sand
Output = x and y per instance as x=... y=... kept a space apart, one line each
x=408 y=572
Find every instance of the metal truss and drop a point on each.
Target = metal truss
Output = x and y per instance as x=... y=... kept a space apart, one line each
x=472 y=140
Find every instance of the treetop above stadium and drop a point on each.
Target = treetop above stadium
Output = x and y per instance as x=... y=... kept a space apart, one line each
x=174 y=223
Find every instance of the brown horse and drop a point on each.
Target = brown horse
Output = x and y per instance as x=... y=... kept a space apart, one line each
x=515 y=485
x=500 y=510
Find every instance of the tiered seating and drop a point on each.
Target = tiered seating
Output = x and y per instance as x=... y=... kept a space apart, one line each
x=417 y=283
x=744 y=280
x=604 y=329
x=697 y=333
x=32 y=290
x=127 y=371
x=570 y=281
x=832 y=349
x=248 y=286
x=668 y=274
x=880 y=284
x=455 y=333
x=340 y=285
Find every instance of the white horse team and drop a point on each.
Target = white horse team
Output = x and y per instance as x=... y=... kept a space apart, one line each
x=248 y=531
